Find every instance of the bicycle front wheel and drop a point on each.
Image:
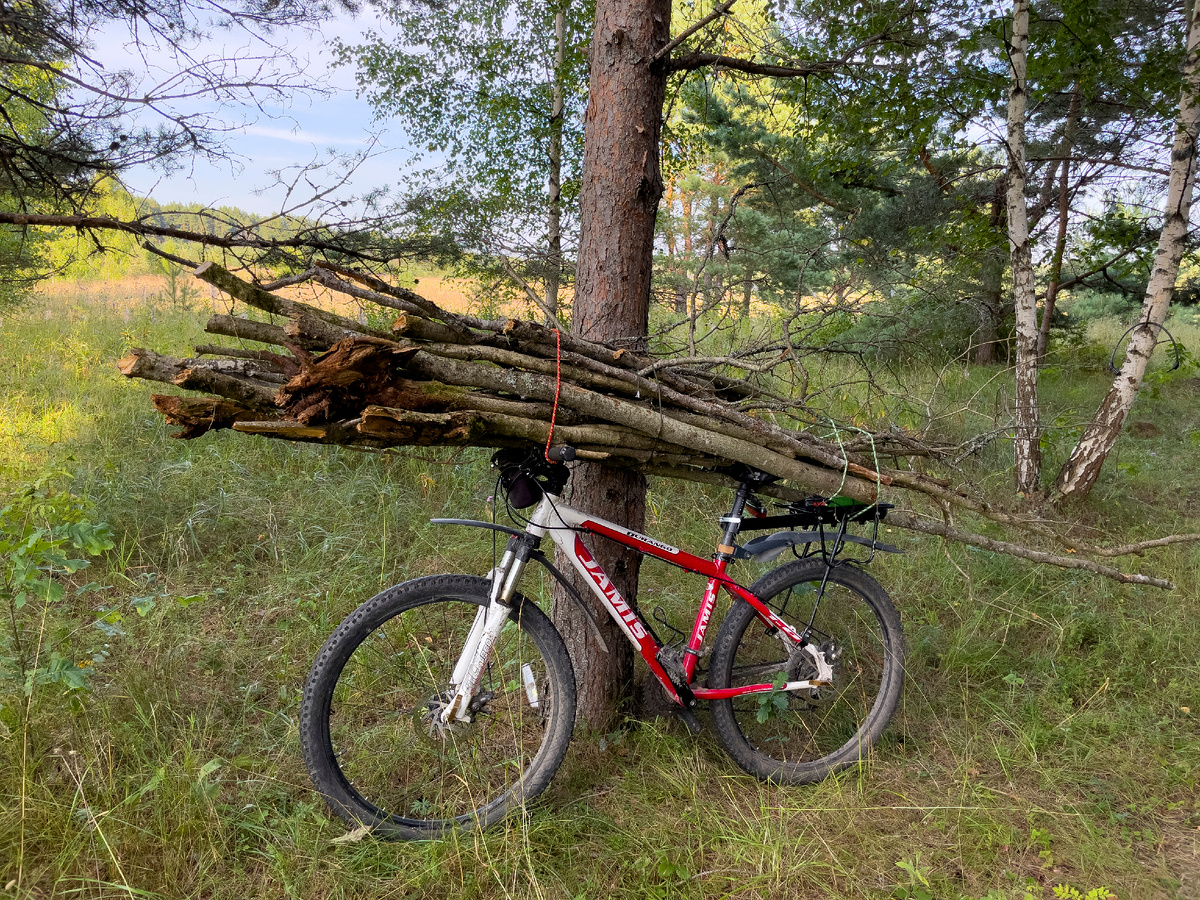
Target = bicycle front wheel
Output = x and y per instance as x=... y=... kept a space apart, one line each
x=370 y=727
x=798 y=737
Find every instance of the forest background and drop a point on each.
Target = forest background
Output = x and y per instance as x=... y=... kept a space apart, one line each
x=845 y=188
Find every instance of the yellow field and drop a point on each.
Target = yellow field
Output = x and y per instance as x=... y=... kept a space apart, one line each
x=135 y=290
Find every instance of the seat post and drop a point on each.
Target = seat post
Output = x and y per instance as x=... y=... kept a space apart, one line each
x=733 y=522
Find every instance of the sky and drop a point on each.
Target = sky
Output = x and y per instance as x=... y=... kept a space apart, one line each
x=277 y=137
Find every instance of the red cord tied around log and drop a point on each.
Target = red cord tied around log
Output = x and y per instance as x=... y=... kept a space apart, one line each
x=557 y=390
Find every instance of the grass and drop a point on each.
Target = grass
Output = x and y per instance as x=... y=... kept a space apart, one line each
x=1049 y=732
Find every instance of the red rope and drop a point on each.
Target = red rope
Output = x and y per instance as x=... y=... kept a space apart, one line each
x=557 y=389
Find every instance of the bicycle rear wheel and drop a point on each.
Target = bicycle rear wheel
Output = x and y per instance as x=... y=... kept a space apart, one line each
x=798 y=737
x=369 y=725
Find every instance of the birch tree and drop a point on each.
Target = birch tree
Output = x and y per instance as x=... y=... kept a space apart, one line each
x=1028 y=463
x=1081 y=470
x=491 y=94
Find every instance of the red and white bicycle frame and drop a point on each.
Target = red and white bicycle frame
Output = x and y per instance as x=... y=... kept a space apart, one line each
x=565 y=524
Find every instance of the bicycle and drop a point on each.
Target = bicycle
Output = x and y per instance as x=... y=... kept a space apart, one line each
x=449 y=700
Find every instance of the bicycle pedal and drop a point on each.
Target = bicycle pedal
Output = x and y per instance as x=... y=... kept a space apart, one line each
x=689 y=719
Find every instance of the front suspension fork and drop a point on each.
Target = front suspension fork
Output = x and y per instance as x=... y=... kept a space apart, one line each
x=489 y=622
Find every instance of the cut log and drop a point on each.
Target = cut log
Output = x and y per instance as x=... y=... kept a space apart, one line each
x=253 y=394
x=285 y=365
x=252 y=295
x=263 y=332
x=313 y=333
x=200 y=415
x=244 y=381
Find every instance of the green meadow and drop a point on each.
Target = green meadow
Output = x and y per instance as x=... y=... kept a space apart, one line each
x=1048 y=744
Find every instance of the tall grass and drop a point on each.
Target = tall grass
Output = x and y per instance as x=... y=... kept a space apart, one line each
x=1049 y=732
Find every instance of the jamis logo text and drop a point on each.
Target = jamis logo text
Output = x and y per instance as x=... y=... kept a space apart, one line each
x=609 y=590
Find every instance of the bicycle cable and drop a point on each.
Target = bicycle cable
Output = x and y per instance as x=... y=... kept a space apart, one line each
x=519 y=517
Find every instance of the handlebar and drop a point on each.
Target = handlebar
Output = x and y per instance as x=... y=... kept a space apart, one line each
x=527 y=473
x=815 y=511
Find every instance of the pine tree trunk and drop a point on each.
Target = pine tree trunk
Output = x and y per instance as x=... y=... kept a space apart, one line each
x=619 y=194
x=991 y=308
x=1080 y=472
x=1028 y=463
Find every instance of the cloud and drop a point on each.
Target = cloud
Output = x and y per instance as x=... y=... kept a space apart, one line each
x=300 y=136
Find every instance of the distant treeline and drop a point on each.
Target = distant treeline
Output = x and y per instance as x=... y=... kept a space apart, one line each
x=72 y=254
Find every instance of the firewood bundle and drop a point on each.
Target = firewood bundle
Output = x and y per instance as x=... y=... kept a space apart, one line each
x=435 y=378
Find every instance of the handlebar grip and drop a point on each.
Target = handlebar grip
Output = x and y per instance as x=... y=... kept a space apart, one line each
x=561 y=454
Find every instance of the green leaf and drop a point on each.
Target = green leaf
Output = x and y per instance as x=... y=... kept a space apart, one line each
x=155 y=780
x=773 y=702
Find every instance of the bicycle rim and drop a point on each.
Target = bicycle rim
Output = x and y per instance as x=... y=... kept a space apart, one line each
x=802 y=736
x=395 y=765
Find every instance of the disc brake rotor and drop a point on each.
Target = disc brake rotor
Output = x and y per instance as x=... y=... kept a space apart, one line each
x=431 y=728
x=427 y=720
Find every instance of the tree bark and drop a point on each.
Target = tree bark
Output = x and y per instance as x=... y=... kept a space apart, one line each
x=1028 y=463
x=1080 y=472
x=991 y=308
x=619 y=194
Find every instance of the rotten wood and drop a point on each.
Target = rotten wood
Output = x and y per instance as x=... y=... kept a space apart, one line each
x=200 y=415
x=354 y=373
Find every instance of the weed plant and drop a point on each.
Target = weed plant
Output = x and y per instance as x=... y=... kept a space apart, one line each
x=1048 y=739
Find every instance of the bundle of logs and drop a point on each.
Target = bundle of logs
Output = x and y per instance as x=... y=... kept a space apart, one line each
x=436 y=378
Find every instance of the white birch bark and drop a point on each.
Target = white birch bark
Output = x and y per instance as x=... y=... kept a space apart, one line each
x=1028 y=462
x=1080 y=472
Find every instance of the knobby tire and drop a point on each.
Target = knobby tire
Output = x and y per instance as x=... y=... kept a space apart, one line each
x=371 y=698
x=802 y=736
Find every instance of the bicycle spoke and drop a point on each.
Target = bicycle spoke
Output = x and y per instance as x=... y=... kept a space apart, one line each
x=802 y=734
x=394 y=756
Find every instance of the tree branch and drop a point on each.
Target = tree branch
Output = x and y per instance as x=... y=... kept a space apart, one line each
x=807 y=188
x=141 y=228
x=693 y=61
x=687 y=33
x=912 y=523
